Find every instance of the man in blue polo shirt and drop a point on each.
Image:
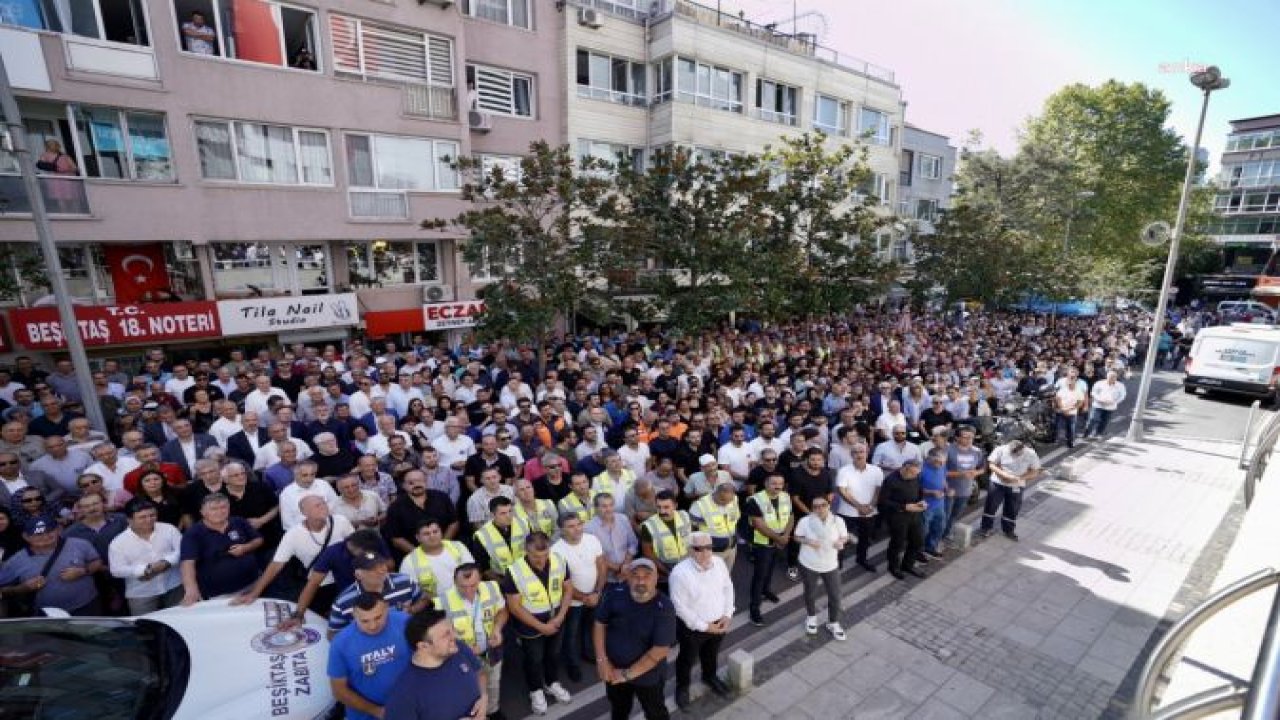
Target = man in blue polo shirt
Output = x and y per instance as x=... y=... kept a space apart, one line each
x=336 y=560
x=218 y=552
x=444 y=681
x=368 y=656
x=635 y=628
x=373 y=575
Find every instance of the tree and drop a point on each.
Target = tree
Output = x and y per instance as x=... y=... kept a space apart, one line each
x=537 y=233
x=970 y=256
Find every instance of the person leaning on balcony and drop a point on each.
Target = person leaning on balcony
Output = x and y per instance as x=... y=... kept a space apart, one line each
x=60 y=194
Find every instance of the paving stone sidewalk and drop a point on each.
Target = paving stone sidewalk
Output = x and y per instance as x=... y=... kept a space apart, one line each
x=1114 y=543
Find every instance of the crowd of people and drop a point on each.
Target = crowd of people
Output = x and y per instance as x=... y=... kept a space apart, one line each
x=437 y=504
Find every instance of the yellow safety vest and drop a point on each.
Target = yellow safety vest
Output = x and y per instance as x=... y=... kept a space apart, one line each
x=537 y=597
x=544 y=517
x=605 y=483
x=422 y=565
x=775 y=520
x=721 y=520
x=670 y=547
x=572 y=503
x=501 y=555
x=490 y=601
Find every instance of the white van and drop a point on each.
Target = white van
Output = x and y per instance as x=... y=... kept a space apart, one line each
x=1242 y=359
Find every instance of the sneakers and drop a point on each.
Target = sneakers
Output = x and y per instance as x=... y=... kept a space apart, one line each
x=922 y=558
x=558 y=692
x=986 y=533
x=1012 y=536
x=757 y=619
x=538 y=702
x=770 y=596
x=793 y=574
x=836 y=631
x=811 y=625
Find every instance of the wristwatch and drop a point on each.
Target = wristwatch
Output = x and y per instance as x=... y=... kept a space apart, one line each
x=626 y=675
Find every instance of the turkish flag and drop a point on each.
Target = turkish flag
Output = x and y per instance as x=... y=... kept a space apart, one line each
x=136 y=270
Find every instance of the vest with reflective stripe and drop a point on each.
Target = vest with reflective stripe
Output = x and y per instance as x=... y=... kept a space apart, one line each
x=617 y=488
x=537 y=597
x=543 y=518
x=501 y=555
x=670 y=547
x=572 y=503
x=421 y=563
x=721 y=520
x=491 y=603
x=775 y=520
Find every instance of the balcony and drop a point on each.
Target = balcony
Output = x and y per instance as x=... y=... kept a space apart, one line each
x=430 y=101
x=103 y=57
x=62 y=195
x=774 y=116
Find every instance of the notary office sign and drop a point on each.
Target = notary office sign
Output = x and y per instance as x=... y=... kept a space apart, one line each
x=258 y=316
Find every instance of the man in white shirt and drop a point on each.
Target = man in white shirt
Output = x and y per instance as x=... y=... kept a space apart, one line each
x=304 y=484
x=224 y=382
x=1107 y=396
x=110 y=466
x=146 y=557
x=317 y=530
x=400 y=394
x=892 y=453
x=737 y=457
x=1012 y=465
x=584 y=556
x=227 y=424
x=178 y=384
x=857 y=493
x=1068 y=402
x=768 y=438
x=454 y=447
x=269 y=454
x=511 y=393
x=702 y=593
x=259 y=398
x=634 y=454
x=890 y=419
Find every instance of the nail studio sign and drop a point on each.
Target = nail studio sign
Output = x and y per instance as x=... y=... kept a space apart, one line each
x=274 y=315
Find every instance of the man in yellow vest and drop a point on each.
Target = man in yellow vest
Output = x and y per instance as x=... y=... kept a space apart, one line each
x=533 y=512
x=718 y=514
x=664 y=537
x=432 y=563
x=478 y=612
x=772 y=520
x=539 y=594
x=579 y=498
x=500 y=542
x=616 y=478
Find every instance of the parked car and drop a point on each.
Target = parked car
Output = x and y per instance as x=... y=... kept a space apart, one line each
x=1246 y=311
x=1240 y=359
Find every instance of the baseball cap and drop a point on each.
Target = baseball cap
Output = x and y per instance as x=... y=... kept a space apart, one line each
x=706 y=459
x=911 y=461
x=38 y=526
x=368 y=560
x=642 y=563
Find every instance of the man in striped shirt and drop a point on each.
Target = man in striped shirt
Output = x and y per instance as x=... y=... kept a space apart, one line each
x=373 y=575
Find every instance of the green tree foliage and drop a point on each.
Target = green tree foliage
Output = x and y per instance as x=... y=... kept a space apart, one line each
x=972 y=257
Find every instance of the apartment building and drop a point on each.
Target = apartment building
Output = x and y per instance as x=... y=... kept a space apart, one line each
x=926 y=175
x=244 y=155
x=1246 y=210
x=644 y=75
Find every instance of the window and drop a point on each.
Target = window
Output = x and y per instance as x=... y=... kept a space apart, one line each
x=874 y=126
x=623 y=8
x=609 y=78
x=257 y=153
x=776 y=102
x=371 y=50
x=122 y=21
x=926 y=209
x=384 y=263
x=662 y=81
x=612 y=153
x=708 y=86
x=270 y=269
x=1254 y=140
x=251 y=30
x=1261 y=173
x=877 y=186
x=124 y=145
x=500 y=91
x=504 y=12
x=393 y=162
x=930 y=167
x=831 y=116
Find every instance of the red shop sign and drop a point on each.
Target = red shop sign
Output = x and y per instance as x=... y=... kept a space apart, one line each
x=39 y=328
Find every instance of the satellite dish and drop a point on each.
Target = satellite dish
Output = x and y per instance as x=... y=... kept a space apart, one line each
x=1155 y=234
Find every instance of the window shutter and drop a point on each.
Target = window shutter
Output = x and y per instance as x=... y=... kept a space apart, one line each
x=440 y=61
x=395 y=54
x=345 y=34
x=494 y=90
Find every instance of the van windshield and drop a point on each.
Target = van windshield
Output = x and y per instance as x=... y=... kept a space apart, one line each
x=99 y=669
x=1237 y=351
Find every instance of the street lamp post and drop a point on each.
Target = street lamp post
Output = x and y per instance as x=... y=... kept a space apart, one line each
x=1207 y=80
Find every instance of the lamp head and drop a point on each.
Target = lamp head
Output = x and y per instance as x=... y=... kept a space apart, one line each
x=1209 y=79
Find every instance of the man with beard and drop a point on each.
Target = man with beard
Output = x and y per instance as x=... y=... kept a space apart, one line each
x=635 y=628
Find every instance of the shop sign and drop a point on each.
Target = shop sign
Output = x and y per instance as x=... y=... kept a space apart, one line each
x=450 y=315
x=287 y=314
x=40 y=329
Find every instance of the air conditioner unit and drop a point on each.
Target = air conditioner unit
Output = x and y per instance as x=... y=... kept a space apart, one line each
x=480 y=121
x=438 y=3
x=589 y=17
x=437 y=293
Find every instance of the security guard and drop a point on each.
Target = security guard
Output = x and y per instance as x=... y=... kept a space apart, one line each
x=479 y=613
x=532 y=512
x=771 y=516
x=433 y=561
x=616 y=479
x=718 y=514
x=664 y=536
x=539 y=593
x=500 y=542
x=579 y=498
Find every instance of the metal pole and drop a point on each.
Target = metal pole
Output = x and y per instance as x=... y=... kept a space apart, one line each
x=1264 y=687
x=1157 y=326
x=44 y=235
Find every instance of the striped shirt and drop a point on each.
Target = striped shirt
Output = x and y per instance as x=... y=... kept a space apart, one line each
x=400 y=591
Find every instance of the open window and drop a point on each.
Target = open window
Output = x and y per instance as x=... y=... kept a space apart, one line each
x=251 y=30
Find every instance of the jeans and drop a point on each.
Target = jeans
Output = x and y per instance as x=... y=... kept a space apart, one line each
x=764 y=557
x=577 y=635
x=831 y=582
x=1098 y=419
x=541 y=657
x=997 y=495
x=144 y=605
x=702 y=647
x=935 y=525
x=906 y=535
x=1067 y=423
x=622 y=697
x=956 y=505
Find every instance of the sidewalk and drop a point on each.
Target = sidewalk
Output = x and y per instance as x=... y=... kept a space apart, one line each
x=1114 y=543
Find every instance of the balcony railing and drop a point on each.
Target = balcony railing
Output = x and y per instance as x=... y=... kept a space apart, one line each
x=62 y=195
x=110 y=58
x=430 y=101
x=774 y=116
x=379 y=204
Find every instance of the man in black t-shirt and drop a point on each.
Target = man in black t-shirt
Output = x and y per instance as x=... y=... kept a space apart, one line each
x=634 y=630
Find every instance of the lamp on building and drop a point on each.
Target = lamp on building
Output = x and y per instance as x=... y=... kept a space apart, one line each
x=1207 y=81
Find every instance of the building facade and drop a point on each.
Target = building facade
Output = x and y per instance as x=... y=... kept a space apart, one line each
x=1247 y=213
x=926 y=178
